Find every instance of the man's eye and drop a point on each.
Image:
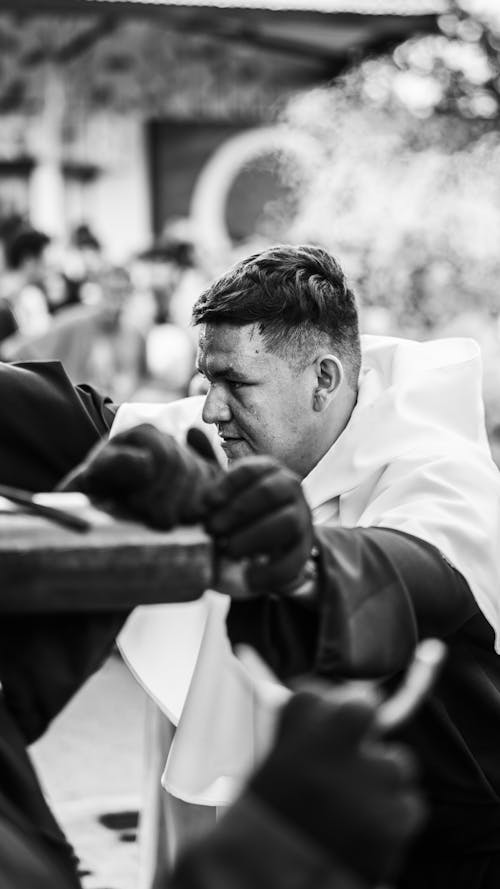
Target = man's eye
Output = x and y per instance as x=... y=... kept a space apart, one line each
x=235 y=384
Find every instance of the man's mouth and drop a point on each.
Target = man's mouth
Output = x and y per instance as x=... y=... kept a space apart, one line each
x=229 y=442
x=226 y=436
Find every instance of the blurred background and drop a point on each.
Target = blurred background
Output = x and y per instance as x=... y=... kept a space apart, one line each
x=145 y=145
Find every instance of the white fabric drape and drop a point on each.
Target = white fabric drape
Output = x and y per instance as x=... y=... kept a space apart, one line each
x=413 y=457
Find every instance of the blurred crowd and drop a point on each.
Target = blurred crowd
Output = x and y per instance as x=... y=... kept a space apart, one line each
x=124 y=329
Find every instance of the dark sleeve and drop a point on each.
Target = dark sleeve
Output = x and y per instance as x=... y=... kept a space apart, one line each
x=33 y=850
x=380 y=591
x=47 y=424
x=47 y=427
x=250 y=848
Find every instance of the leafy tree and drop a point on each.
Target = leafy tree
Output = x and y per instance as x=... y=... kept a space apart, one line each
x=405 y=188
x=408 y=191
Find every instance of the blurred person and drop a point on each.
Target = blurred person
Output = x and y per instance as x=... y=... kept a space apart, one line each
x=361 y=495
x=56 y=287
x=89 y=246
x=175 y=279
x=9 y=225
x=82 y=266
x=163 y=263
x=116 y=359
x=343 y=819
x=97 y=343
x=170 y=358
x=355 y=791
x=8 y=323
x=179 y=270
x=186 y=251
x=141 y=307
x=23 y=284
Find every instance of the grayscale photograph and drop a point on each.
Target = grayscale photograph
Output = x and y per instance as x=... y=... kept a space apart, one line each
x=249 y=444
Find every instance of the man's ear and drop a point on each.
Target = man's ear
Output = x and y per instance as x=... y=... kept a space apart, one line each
x=329 y=377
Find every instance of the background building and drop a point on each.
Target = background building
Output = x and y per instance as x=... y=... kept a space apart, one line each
x=110 y=111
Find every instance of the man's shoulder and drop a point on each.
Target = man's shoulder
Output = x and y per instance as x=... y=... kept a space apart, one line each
x=406 y=355
x=30 y=375
x=433 y=386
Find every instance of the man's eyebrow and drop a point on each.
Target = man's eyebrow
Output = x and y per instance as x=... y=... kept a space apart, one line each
x=220 y=372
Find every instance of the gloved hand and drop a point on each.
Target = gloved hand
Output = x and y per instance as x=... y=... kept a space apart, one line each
x=257 y=511
x=349 y=791
x=149 y=475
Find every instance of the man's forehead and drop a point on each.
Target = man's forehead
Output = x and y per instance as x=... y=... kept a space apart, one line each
x=229 y=343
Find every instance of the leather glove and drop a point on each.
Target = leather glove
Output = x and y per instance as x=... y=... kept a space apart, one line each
x=149 y=475
x=351 y=792
x=257 y=511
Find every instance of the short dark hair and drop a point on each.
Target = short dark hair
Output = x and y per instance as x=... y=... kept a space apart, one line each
x=26 y=243
x=296 y=295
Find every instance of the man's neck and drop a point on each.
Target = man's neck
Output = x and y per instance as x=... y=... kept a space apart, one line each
x=334 y=426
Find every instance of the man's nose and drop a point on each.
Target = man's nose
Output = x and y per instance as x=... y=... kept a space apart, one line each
x=216 y=408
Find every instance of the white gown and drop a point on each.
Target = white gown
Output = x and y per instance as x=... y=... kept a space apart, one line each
x=413 y=457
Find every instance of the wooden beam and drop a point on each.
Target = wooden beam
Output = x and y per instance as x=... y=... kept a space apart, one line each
x=47 y=568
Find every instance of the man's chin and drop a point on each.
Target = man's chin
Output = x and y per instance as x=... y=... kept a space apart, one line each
x=235 y=448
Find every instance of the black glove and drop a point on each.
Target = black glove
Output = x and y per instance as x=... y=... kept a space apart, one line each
x=149 y=475
x=350 y=792
x=257 y=511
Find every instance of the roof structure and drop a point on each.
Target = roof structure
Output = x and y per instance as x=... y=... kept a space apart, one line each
x=328 y=34
x=356 y=7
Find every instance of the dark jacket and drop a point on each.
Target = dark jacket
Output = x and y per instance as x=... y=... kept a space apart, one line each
x=47 y=426
x=380 y=591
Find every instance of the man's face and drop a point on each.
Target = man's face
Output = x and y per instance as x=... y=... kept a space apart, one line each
x=259 y=403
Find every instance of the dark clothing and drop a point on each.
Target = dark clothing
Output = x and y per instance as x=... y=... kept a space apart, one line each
x=457 y=735
x=47 y=427
x=252 y=849
x=34 y=853
x=8 y=323
x=382 y=590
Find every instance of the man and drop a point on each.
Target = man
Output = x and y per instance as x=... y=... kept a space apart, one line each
x=404 y=543
x=45 y=660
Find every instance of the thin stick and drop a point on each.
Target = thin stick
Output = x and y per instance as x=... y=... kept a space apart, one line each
x=59 y=516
